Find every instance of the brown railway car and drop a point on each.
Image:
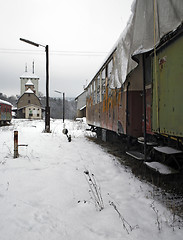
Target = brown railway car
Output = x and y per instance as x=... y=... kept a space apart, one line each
x=120 y=109
x=137 y=92
x=5 y=112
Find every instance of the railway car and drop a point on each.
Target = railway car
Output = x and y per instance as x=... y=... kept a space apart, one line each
x=166 y=87
x=148 y=102
x=117 y=110
x=5 y=112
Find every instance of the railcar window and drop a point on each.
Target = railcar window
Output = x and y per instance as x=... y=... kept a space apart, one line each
x=103 y=82
x=90 y=89
x=93 y=91
x=87 y=92
x=109 y=69
x=109 y=73
x=98 y=88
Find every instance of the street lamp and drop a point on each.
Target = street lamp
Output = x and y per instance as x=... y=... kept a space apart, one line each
x=63 y=104
x=47 y=108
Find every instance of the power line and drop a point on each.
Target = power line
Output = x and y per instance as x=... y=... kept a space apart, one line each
x=62 y=53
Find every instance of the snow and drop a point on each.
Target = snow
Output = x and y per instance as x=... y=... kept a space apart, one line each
x=29 y=75
x=5 y=102
x=29 y=82
x=44 y=194
x=161 y=168
x=29 y=91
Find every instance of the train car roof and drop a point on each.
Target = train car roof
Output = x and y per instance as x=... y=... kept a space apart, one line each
x=5 y=102
x=149 y=22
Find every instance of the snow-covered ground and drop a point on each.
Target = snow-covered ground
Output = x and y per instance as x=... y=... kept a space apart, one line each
x=47 y=193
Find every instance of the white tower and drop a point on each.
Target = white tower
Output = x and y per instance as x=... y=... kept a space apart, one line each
x=26 y=78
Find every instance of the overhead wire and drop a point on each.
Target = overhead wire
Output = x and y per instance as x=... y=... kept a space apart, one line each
x=62 y=53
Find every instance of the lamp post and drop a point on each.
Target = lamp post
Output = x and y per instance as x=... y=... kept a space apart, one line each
x=47 y=108
x=63 y=104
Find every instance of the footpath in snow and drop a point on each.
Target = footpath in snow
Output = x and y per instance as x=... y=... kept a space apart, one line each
x=73 y=190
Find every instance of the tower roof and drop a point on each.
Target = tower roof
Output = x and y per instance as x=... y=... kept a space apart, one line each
x=29 y=83
x=29 y=75
x=29 y=91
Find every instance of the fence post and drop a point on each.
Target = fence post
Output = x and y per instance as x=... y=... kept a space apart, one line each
x=15 y=144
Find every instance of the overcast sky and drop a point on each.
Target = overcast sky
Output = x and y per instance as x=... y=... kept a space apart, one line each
x=80 y=33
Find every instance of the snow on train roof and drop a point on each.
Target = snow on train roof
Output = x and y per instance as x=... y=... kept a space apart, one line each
x=5 y=102
x=138 y=36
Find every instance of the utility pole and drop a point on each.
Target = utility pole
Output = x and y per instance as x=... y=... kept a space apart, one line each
x=47 y=107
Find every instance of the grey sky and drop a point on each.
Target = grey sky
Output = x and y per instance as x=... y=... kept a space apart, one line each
x=79 y=34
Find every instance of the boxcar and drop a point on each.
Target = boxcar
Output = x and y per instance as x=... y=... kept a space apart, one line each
x=117 y=110
x=121 y=110
x=167 y=107
x=5 y=112
x=163 y=74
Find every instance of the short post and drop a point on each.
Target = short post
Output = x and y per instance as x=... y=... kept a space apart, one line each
x=15 y=144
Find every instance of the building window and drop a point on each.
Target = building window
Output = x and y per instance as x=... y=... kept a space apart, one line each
x=30 y=114
x=38 y=115
x=28 y=101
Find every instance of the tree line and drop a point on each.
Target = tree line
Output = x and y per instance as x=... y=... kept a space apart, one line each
x=56 y=105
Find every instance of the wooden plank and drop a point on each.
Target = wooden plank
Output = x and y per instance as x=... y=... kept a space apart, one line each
x=148 y=143
x=141 y=141
x=137 y=155
x=161 y=168
x=167 y=150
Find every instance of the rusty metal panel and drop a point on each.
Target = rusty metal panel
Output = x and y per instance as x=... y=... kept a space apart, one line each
x=167 y=109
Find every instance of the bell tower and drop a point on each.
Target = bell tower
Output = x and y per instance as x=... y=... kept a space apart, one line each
x=29 y=78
